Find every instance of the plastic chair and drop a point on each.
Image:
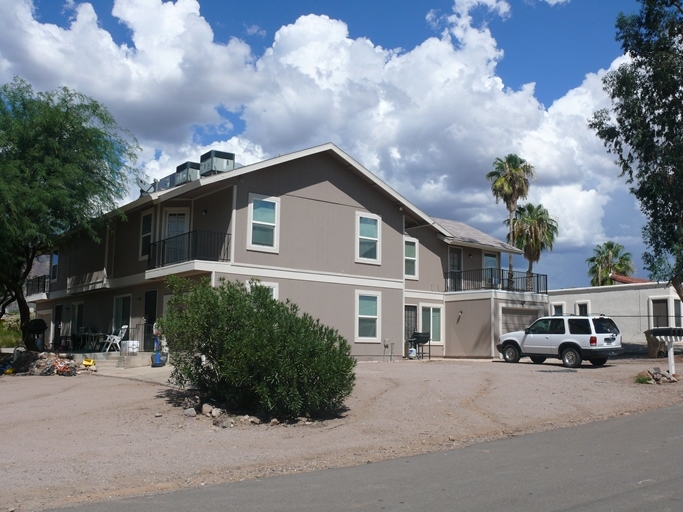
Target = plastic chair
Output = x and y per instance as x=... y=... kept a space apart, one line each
x=114 y=340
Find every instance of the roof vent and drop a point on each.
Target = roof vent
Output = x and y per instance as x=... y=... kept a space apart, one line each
x=215 y=162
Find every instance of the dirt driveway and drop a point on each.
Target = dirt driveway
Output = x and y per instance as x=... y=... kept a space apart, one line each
x=70 y=440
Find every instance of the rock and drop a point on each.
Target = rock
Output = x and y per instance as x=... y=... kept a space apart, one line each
x=274 y=421
x=157 y=415
x=190 y=412
x=255 y=421
x=221 y=423
x=206 y=409
x=216 y=412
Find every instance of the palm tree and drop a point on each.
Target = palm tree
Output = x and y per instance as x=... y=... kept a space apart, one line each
x=534 y=231
x=609 y=258
x=510 y=182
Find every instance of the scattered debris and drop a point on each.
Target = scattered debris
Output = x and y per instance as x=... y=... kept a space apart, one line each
x=656 y=376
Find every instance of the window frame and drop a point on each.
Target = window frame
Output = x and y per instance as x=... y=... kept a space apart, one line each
x=416 y=259
x=150 y=213
x=583 y=303
x=432 y=307
x=358 y=258
x=276 y=225
x=274 y=287
x=378 y=317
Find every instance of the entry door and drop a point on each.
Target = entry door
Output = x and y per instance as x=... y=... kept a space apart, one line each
x=454 y=269
x=176 y=245
x=150 y=318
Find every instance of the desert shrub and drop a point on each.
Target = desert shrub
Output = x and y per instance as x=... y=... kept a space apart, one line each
x=255 y=353
x=10 y=332
x=643 y=378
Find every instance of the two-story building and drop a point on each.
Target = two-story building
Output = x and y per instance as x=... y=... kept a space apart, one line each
x=317 y=228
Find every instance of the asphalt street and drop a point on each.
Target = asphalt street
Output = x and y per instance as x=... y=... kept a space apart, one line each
x=632 y=463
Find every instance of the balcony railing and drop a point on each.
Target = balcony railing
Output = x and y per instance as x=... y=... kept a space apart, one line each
x=194 y=245
x=37 y=285
x=495 y=279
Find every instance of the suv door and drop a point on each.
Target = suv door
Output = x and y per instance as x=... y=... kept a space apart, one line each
x=543 y=335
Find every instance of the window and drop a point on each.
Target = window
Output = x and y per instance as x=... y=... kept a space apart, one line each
x=490 y=260
x=582 y=309
x=579 y=326
x=558 y=310
x=677 y=312
x=368 y=307
x=264 y=220
x=54 y=264
x=76 y=318
x=145 y=234
x=410 y=255
x=273 y=288
x=368 y=234
x=431 y=322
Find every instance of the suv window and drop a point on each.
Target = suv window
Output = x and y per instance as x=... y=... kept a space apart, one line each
x=557 y=326
x=579 y=326
x=605 y=326
x=541 y=326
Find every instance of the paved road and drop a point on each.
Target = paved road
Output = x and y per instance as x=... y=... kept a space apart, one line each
x=634 y=463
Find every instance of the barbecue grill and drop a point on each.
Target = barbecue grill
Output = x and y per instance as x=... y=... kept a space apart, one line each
x=418 y=341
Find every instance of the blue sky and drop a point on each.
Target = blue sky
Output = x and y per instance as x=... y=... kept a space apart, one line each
x=425 y=94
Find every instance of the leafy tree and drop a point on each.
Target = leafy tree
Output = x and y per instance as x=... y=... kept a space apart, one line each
x=534 y=231
x=644 y=131
x=608 y=258
x=63 y=163
x=510 y=183
x=255 y=353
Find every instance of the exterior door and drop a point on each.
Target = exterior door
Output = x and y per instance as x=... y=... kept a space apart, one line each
x=410 y=325
x=176 y=240
x=150 y=319
x=454 y=281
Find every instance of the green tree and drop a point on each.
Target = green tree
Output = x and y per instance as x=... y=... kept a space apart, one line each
x=643 y=128
x=608 y=258
x=510 y=183
x=534 y=231
x=255 y=353
x=64 y=162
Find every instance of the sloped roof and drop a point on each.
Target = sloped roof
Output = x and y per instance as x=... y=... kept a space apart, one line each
x=628 y=279
x=451 y=231
x=467 y=235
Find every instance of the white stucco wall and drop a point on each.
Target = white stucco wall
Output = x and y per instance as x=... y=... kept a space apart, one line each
x=630 y=305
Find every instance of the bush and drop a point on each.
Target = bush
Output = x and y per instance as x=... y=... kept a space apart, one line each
x=255 y=353
x=10 y=333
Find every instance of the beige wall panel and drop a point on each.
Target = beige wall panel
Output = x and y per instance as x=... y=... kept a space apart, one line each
x=469 y=334
x=319 y=200
x=334 y=305
x=432 y=261
x=213 y=212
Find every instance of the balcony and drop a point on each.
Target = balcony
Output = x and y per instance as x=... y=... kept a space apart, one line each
x=37 y=287
x=194 y=245
x=87 y=282
x=495 y=279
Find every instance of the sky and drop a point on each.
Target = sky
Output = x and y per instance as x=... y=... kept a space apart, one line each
x=426 y=94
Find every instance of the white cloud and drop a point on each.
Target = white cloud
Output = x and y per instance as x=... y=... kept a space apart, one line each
x=430 y=121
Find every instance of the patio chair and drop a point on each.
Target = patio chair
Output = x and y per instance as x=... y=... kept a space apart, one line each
x=114 y=340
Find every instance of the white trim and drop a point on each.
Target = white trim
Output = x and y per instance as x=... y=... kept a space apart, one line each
x=415 y=241
x=442 y=324
x=651 y=309
x=276 y=226
x=552 y=307
x=233 y=223
x=273 y=286
x=356 y=316
x=358 y=258
x=175 y=209
x=130 y=312
x=260 y=272
x=424 y=295
x=142 y=257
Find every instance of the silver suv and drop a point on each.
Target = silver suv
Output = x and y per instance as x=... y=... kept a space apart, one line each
x=569 y=338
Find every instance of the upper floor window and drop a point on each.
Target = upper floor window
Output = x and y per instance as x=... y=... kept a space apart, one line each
x=558 y=309
x=368 y=236
x=54 y=265
x=264 y=223
x=145 y=234
x=582 y=309
x=410 y=256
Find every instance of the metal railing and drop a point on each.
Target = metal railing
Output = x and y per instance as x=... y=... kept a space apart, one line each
x=37 y=285
x=194 y=245
x=495 y=279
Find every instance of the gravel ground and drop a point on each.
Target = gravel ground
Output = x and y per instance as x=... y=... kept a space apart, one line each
x=70 y=440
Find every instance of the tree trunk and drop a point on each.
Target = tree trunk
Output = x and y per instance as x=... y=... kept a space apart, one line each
x=530 y=278
x=511 y=276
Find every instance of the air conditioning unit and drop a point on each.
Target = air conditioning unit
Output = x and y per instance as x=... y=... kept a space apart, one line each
x=183 y=172
x=166 y=182
x=214 y=162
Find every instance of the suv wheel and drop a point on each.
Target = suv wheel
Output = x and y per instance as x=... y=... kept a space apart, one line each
x=511 y=354
x=537 y=359
x=571 y=357
x=598 y=361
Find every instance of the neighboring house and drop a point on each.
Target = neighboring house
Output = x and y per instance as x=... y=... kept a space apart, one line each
x=635 y=304
x=318 y=229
